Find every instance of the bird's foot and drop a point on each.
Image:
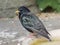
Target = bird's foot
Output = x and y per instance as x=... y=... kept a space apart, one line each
x=31 y=35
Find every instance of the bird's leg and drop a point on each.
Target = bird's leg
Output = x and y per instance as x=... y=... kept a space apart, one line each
x=31 y=35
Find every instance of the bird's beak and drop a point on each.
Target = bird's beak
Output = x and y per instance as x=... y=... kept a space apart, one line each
x=17 y=12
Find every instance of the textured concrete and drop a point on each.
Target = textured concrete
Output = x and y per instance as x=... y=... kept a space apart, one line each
x=11 y=30
x=8 y=7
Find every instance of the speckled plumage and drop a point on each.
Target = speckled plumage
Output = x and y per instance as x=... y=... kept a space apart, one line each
x=32 y=23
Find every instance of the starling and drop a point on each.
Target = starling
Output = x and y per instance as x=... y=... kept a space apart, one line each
x=31 y=22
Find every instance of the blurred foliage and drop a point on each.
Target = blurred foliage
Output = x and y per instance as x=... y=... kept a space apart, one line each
x=55 y=4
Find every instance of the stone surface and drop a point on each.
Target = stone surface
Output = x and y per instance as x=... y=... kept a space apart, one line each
x=8 y=7
x=12 y=30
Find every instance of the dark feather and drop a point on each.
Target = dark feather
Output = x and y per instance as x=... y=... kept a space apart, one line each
x=33 y=24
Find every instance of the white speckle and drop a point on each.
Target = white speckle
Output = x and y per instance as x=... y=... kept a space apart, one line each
x=11 y=21
x=13 y=40
x=6 y=29
x=5 y=34
x=18 y=44
x=51 y=17
x=4 y=42
x=27 y=41
x=14 y=33
x=0 y=43
x=55 y=33
x=41 y=9
x=21 y=39
x=50 y=25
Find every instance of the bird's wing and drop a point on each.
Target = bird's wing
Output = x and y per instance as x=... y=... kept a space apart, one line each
x=32 y=22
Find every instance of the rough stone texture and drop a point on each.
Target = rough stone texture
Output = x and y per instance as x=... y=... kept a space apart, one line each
x=8 y=7
x=11 y=28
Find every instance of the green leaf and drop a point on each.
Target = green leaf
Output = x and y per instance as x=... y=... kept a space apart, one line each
x=42 y=4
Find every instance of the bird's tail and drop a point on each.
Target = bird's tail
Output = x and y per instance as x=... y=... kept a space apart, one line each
x=48 y=38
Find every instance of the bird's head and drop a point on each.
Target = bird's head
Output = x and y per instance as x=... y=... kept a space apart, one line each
x=22 y=10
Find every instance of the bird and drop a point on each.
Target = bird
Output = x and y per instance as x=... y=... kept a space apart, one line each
x=31 y=22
